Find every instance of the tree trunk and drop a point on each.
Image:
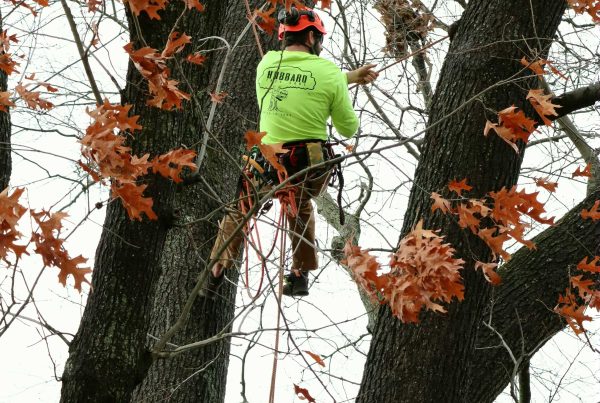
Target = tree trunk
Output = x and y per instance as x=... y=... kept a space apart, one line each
x=433 y=360
x=5 y=131
x=200 y=375
x=108 y=357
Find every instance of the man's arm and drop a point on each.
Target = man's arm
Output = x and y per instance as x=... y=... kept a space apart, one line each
x=363 y=75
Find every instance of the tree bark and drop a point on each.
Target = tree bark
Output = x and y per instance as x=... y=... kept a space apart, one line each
x=107 y=357
x=434 y=360
x=5 y=132
x=200 y=375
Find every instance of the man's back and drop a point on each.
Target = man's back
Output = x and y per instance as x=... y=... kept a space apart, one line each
x=297 y=92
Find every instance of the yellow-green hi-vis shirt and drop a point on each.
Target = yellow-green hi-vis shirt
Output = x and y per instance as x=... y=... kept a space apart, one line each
x=297 y=93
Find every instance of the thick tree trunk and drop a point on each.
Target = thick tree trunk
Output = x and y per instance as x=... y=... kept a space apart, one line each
x=200 y=375
x=108 y=357
x=432 y=361
x=5 y=130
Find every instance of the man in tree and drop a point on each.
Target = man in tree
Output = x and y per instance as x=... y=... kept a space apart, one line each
x=304 y=90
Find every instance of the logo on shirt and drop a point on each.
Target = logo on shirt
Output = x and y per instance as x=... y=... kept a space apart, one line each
x=292 y=77
x=277 y=82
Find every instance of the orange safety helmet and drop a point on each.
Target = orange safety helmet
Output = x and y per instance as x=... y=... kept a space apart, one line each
x=298 y=20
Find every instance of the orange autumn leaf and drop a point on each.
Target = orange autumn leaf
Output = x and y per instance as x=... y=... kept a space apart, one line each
x=93 y=5
x=135 y=203
x=495 y=240
x=544 y=183
x=269 y=151
x=7 y=64
x=515 y=120
x=542 y=104
x=587 y=172
x=316 y=357
x=458 y=187
x=32 y=98
x=584 y=286
x=268 y=22
x=537 y=66
x=6 y=39
x=467 y=218
x=196 y=58
x=150 y=7
x=175 y=44
x=591 y=7
x=591 y=267
x=439 y=203
x=504 y=133
x=218 y=98
x=303 y=394
x=572 y=312
x=171 y=164
x=593 y=213
x=5 y=101
x=253 y=138
x=489 y=272
x=51 y=248
x=10 y=213
x=194 y=4
x=364 y=268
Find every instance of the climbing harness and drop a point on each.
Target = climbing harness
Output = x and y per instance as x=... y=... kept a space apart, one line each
x=259 y=174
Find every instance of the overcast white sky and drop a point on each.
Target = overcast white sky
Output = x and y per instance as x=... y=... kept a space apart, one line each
x=30 y=360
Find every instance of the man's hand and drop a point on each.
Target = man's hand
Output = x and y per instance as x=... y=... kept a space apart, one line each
x=363 y=75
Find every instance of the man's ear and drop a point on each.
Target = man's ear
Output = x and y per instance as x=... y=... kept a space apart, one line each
x=311 y=37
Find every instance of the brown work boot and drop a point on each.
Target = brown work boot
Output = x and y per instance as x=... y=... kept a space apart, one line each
x=295 y=285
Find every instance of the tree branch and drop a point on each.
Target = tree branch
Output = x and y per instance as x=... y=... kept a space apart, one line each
x=531 y=283
x=577 y=99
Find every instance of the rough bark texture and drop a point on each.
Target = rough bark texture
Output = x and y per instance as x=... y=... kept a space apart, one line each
x=199 y=376
x=5 y=130
x=432 y=361
x=108 y=357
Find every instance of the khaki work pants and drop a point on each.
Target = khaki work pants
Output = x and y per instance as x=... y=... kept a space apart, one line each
x=301 y=228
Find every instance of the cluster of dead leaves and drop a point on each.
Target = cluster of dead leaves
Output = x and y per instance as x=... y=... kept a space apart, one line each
x=423 y=274
x=572 y=305
x=583 y=292
x=50 y=247
x=46 y=239
x=591 y=7
x=537 y=66
x=32 y=99
x=153 y=66
x=152 y=7
x=513 y=125
x=10 y=213
x=108 y=158
x=22 y=3
x=404 y=21
x=496 y=218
